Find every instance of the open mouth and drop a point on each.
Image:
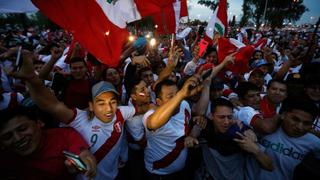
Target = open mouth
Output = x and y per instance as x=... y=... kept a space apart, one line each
x=22 y=145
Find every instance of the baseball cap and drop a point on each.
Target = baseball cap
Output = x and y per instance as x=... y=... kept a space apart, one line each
x=102 y=87
x=261 y=62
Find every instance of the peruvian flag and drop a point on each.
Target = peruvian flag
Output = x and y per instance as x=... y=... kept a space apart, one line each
x=98 y=25
x=242 y=57
x=171 y=11
x=218 y=22
x=262 y=43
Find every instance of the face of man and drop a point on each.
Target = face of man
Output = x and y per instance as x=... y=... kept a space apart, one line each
x=212 y=58
x=78 y=70
x=277 y=92
x=147 y=76
x=113 y=76
x=297 y=123
x=104 y=106
x=252 y=99
x=257 y=55
x=21 y=135
x=264 y=69
x=313 y=92
x=222 y=118
x=256 y=79
x=141 y=94
x=167 y=93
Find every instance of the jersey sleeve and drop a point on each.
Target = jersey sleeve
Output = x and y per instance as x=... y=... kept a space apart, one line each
x=146 y=116
x=127 y=112
x=247 y=115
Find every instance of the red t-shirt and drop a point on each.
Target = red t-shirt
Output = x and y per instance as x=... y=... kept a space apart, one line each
x=267 y=110
x=48 y=161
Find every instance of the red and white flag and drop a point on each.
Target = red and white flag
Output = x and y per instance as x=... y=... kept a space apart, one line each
x=98 y=25
x=168 y=19
x=218 y=21
x=242 y=57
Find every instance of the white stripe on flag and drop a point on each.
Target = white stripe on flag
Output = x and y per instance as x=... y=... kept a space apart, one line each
x=177 y=8
x=120 y=12
x=210 y=27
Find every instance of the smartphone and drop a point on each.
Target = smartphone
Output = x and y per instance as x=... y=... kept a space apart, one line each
x=202 y=47
x=75 y=159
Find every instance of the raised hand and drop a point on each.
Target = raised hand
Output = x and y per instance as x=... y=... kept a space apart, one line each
x=192 y=86
x=142 y=60
x=174 y=56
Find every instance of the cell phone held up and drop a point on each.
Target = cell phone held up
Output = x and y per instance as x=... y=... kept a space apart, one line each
x=76 y=161
x=203 y=44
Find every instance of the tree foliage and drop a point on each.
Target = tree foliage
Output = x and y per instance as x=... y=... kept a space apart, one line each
x=277 y=11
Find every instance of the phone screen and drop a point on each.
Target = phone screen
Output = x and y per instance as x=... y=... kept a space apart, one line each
x=75 y=160
x=202 y=47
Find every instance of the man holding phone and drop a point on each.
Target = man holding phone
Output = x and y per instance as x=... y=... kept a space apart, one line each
x=29 y=152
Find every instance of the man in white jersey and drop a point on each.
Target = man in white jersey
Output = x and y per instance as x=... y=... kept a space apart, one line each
x=166 y=126
x=102 y=127
x=292 y=141
x=249 y=114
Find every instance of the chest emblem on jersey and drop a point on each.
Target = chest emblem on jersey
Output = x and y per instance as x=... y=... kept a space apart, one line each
x=117 y=127
x=96 y=128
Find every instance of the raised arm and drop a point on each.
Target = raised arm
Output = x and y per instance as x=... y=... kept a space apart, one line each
x=40 y=95
x=163 y=113
x=201 y=106
x=44 y=73
x=174 y=56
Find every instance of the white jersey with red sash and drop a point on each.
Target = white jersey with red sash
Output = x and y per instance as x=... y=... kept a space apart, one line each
x=165 y=152
x=104 y=139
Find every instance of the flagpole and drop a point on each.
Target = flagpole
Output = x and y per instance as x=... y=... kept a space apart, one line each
x=265 y=11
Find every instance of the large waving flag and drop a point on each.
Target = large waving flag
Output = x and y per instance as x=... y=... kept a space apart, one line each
x=171 y=11
x=98 y=25
x=218 y=21
x=243 y=54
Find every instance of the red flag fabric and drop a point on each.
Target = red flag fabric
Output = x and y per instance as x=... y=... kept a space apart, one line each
x=167 y=20
x=98 y=25
x=242 y=57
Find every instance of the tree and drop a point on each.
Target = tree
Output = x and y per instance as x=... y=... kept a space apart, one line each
x=211 y=4
x=247 y=13
x=277 y=11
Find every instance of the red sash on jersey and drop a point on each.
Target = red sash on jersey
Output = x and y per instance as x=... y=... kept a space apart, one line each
x=175 y=152
x=113 y=139
x=13 y=100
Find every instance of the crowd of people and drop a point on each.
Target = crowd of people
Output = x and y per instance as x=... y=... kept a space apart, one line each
x=167 y=111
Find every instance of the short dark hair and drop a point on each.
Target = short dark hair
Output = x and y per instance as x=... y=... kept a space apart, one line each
x=220 y=102
x=244 y=87
x=165 y=82
x=78 y=59
x=300 y=103
x=275 y=80
x=144 y=69
x=131 y=88
x=9 y=113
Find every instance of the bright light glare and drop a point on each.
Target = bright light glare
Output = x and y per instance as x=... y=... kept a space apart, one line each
x=153 y=42
x=131 y=38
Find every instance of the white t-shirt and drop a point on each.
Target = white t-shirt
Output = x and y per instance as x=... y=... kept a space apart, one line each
x=96 y=133
x=6 y=100
x=135 y=127
x=163 y=140
x=287 y=152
